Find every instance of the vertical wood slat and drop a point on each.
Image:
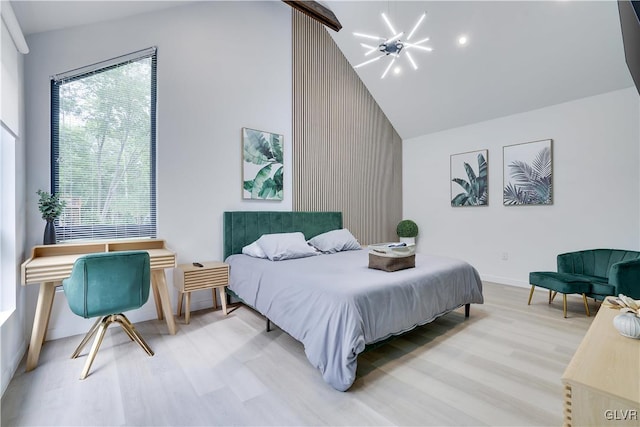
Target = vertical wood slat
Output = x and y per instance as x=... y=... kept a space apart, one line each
x=346 y=154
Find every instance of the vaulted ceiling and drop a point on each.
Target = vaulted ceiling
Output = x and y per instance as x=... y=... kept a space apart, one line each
x=520 y=55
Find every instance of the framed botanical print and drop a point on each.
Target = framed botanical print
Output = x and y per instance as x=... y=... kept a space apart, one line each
x=262 y=165
x=469 y=179
x=528 y=174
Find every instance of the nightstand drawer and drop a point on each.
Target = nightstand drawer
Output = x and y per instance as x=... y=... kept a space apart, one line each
x=205 y=279
x=188 y=277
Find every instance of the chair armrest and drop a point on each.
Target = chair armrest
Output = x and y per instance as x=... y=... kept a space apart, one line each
x=625 y=276
x=565 y=263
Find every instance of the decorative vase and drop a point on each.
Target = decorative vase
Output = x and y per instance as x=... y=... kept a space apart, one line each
x=408 y=240
x=628 y=325
x=49 y=233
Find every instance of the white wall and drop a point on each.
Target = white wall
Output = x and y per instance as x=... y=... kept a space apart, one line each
x=221 y=66
x=596 y=183
x=13 y=341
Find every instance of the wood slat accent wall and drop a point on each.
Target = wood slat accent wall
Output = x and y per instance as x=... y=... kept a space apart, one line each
x=346 y=154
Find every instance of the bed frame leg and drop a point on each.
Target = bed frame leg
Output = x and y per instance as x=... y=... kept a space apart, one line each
x=467 y=308
x=268 y=325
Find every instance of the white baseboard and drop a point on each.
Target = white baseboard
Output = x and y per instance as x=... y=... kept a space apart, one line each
x=505 y=281
x=10 y=370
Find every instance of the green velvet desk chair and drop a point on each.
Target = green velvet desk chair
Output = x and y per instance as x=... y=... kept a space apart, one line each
x=104 y=285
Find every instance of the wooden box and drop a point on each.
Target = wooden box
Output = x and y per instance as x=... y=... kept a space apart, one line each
x=188 y=278
x=386 y=263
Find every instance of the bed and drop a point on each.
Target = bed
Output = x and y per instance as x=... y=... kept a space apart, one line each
x=333 y=303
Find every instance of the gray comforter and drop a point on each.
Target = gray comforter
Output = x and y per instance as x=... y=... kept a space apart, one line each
x=335 y=305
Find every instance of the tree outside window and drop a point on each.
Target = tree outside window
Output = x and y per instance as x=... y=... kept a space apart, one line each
x=104 y=151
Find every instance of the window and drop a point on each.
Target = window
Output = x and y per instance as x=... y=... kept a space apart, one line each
x=103 y=148
x=4 y=140
x=8 y=236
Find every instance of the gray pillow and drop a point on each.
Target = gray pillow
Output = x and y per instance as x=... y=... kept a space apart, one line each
x=254 y=250
x=335 y=241
x=280 y=246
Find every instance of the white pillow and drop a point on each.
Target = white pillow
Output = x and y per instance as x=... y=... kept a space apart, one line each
x=281 y=246
x=335 y=241
x=254 y=250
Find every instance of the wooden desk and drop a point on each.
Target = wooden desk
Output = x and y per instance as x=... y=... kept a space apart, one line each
x=50 y=264
x=602 y=381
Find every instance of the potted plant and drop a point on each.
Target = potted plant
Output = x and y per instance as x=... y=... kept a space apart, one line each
x=50 y=207
x=407 y=231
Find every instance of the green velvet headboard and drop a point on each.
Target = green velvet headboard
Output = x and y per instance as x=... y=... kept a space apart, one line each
x=244 y=227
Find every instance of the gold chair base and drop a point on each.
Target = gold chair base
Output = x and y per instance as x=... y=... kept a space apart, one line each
x=100 y=327
x=552 y=295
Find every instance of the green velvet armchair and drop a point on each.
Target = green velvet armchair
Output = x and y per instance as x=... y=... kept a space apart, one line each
x=104 y=285
x=595 y=273
x=609 y=271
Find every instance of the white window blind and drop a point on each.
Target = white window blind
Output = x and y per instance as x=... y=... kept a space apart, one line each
x=103 y=148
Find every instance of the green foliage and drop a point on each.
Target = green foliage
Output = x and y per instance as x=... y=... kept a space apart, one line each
x=475 y=190
x=105 y=150
x=533 y=185
x=407 y=228
x=50 y=205
x=260 y=150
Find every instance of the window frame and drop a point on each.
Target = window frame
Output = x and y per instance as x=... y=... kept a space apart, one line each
x=120 y=231
x=8 y=234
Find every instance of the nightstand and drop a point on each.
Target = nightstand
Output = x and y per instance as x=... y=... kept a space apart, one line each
x=188 y=278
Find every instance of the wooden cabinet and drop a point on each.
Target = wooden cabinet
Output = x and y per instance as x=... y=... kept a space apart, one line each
x=188 y=278
x=602 y=381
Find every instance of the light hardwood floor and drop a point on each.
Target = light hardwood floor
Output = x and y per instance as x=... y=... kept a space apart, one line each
x=502 y=366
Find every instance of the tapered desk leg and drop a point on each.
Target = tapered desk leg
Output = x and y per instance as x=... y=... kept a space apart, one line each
x=46 y=326
x=159 y=282
x=156 y=297
x=40 y=322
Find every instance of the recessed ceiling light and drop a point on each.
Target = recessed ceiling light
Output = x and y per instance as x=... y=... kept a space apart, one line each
x=397 y=70
x=463 y=40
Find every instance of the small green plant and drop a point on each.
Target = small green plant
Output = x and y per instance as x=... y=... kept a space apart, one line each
x=407 y=228
x=50 y=205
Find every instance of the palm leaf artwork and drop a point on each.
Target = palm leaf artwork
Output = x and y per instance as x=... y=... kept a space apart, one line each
x=263 y=165
x=475 y=186
x=530 y=183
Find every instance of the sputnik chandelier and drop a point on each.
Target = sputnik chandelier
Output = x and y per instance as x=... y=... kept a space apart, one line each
x=393 y=46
